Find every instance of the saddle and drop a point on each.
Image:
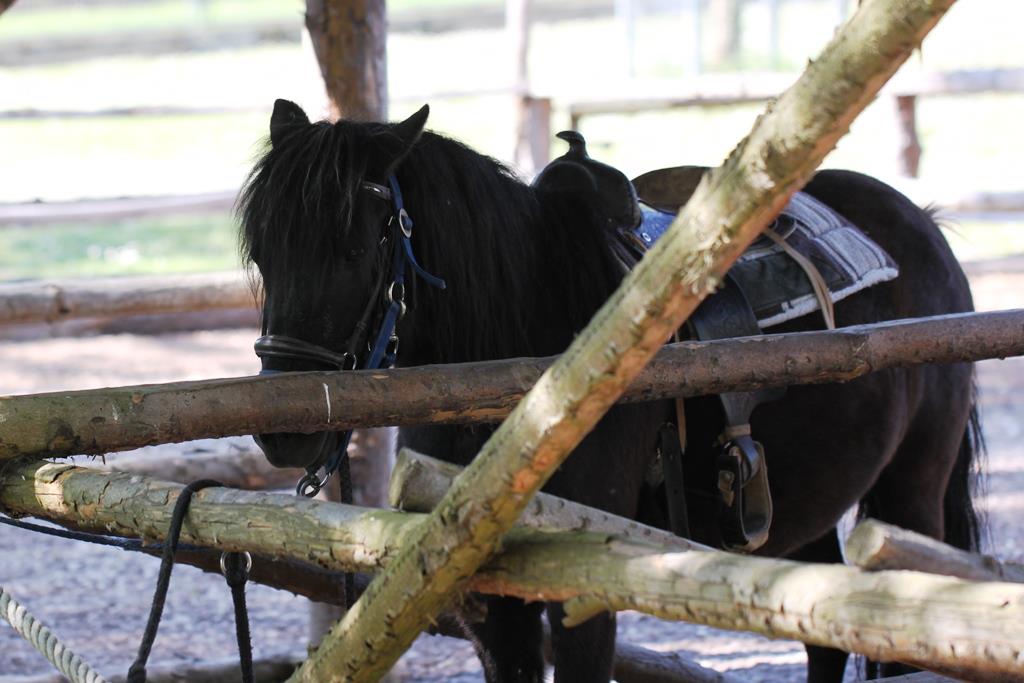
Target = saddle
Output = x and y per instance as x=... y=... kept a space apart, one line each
x=807 y=259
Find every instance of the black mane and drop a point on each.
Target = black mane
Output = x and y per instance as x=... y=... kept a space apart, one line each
x=297 y=201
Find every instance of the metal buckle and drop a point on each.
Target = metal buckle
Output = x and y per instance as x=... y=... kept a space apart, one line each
x=405 y=222
x=223 y=563
x=310 y=485
x=376 y=190
x=391 y=292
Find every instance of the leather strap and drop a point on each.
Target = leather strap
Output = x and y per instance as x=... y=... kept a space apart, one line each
x=813 y=274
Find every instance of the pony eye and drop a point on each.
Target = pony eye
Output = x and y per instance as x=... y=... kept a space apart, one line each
x=353 y=254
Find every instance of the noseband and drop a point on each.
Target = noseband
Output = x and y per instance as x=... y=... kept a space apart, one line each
x=387 y=305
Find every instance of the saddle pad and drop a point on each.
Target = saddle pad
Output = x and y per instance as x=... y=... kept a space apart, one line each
x=776 y=287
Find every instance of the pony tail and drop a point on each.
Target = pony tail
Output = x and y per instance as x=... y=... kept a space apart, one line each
x=964 y=519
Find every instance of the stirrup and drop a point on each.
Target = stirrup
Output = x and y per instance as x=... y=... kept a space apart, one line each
x=745 y=503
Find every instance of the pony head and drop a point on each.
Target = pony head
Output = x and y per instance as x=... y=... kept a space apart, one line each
x=317 y=222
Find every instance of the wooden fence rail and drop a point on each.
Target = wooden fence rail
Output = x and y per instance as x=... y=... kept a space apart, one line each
x=745 y=88
x=105 y=420
x=61 y=300
x=933 y=621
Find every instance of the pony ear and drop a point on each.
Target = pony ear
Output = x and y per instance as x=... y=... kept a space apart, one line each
x=400 y=137
x=286 y=116
x=411 y=129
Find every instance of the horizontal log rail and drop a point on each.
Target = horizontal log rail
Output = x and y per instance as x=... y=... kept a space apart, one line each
x=732 y=89
x=238 y=468
x=265 y=670
x=58 y=301
x=106 y=420
x=924 y=619
x=114 y=208
x=418 y=482
x=875 y=545
x=633 y=664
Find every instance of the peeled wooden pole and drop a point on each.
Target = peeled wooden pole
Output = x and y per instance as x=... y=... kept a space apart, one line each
x=730 y=207
x=61 y=300
x=419 y=482
x=265 y=670
x=875 y=545
x=120 y=418
x=924 y=619
x=350 y=41
x=238 y=468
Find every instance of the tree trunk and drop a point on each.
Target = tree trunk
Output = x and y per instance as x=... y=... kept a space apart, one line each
x=350 y=41
x=918 y=618
x=726 y=21
x=104 y=420
x=729 y=209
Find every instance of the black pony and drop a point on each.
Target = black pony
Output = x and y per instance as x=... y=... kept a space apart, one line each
x=525 y=270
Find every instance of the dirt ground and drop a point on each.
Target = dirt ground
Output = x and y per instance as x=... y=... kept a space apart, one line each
x=97 y=598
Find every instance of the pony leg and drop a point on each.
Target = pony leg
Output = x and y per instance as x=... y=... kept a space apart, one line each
x=926 y=487
x=824 y=664
x=584 y=653
x=509 y=641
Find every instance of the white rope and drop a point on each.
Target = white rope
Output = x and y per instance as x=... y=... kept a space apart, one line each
x=44 y=640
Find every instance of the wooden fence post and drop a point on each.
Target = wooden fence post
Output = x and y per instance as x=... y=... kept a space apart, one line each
x=910 y=144
x=350 y=41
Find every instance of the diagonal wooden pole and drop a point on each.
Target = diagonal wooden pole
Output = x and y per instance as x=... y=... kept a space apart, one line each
x=728 y=210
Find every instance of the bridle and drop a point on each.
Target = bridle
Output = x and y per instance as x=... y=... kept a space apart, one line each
x=384 y=347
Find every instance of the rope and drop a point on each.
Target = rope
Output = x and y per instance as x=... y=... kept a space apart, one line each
x=137 y=671
x=132 y=545
x=235 y=567
x=44 y=640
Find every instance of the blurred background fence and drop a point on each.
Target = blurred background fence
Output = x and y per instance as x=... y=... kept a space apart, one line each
x=128 y=125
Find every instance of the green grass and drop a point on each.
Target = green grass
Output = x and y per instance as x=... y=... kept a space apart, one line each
x=171 y=244
x=70 y=159
x=200 y=243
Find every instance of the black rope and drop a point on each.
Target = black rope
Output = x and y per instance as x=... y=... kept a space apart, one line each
x=236 y=572
x=137 y=672
x=133 y=545
x=234 y=566
x=345 y=484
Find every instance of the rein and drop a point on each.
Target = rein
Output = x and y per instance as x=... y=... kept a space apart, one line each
x=384 y=348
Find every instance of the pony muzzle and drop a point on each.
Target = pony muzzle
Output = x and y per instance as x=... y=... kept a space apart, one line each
x=287 y=449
